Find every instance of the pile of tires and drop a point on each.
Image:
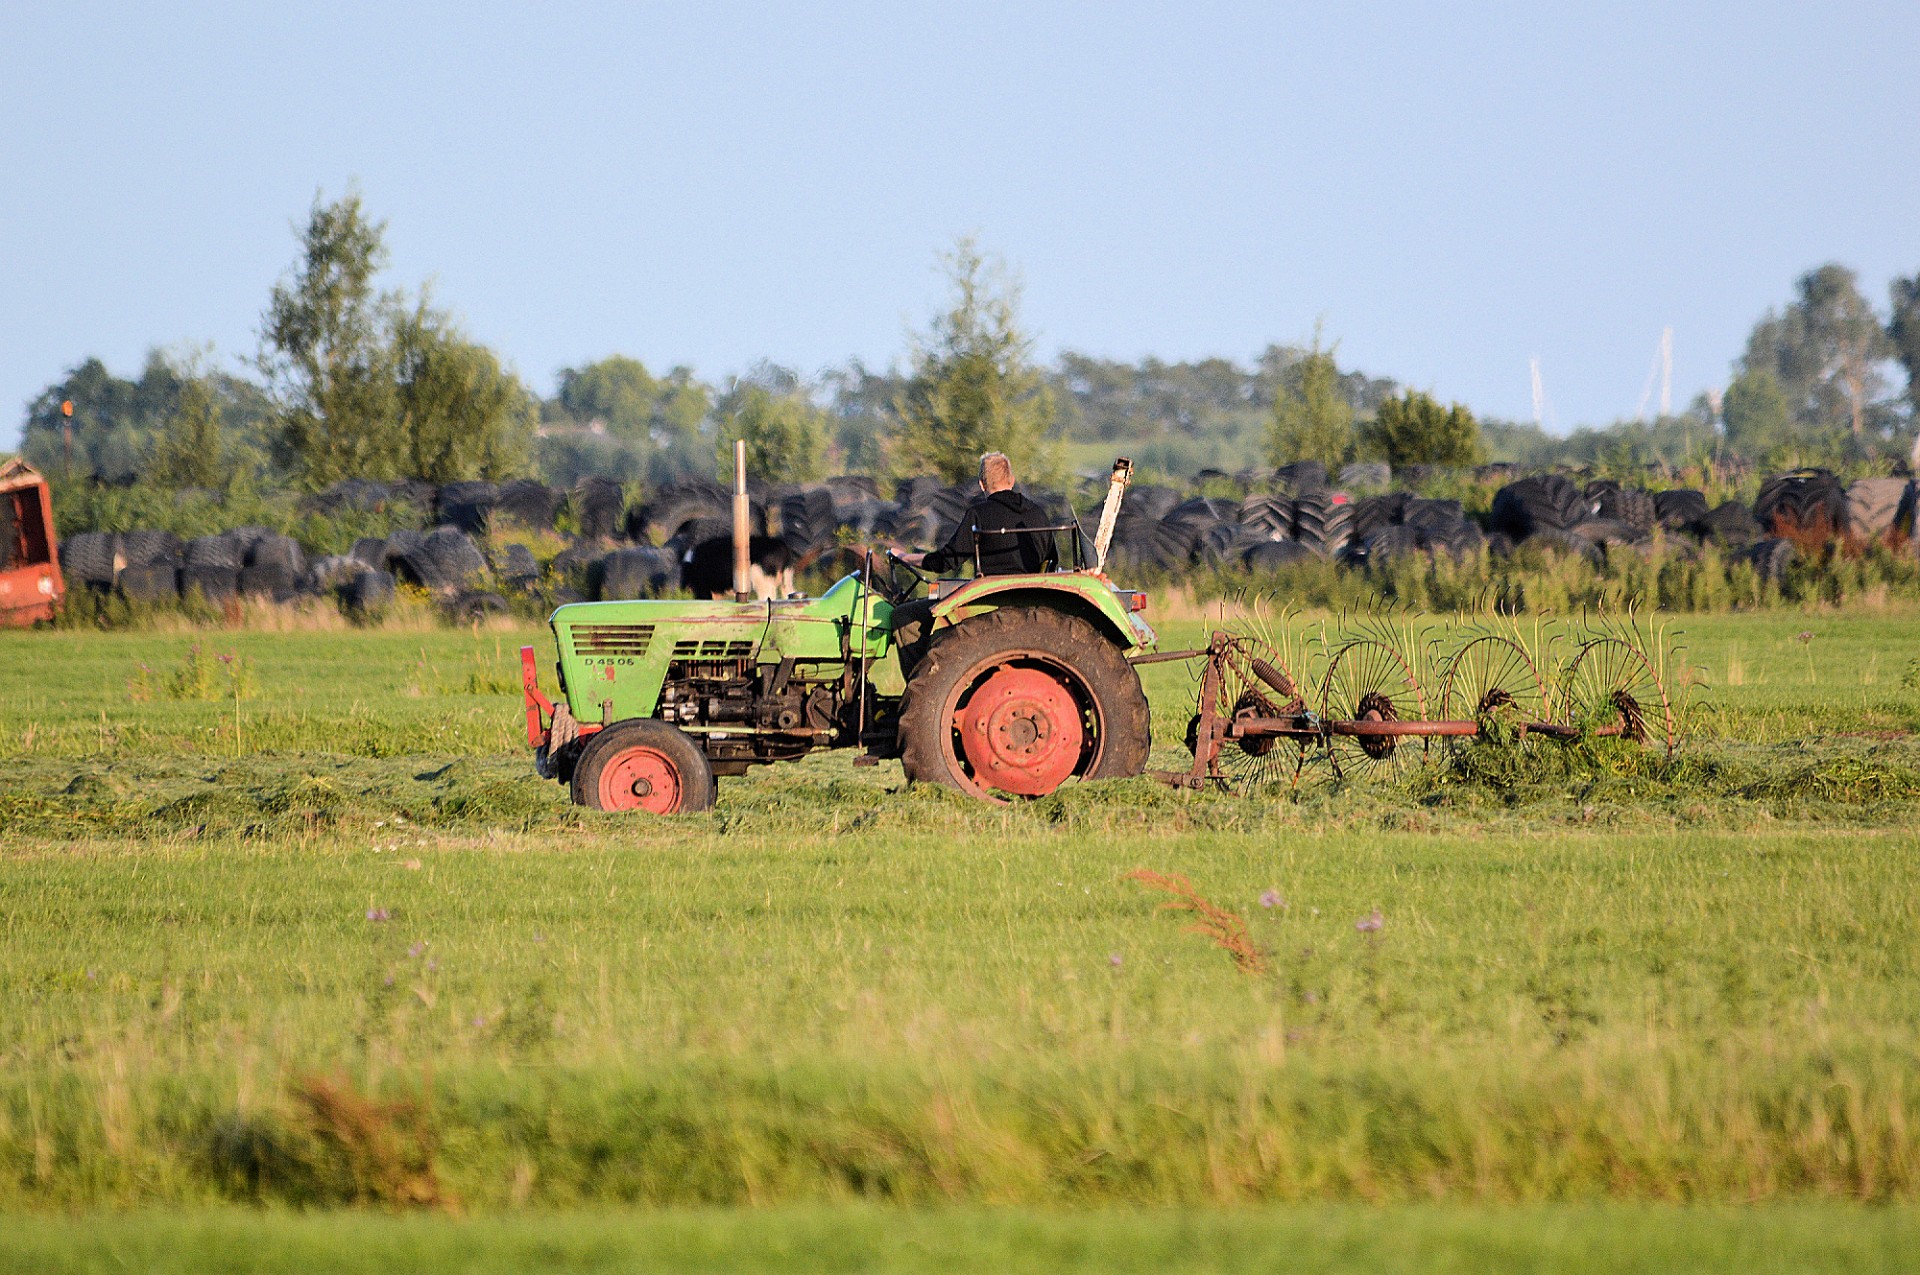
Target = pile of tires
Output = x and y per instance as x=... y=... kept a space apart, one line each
x=150 y=566
x=687 y=510
x=1806 y=502
x=444 y=560
x=1542 y=502
x=526 y=503
x=467 y=506
x=599 y=508
x=640 y=571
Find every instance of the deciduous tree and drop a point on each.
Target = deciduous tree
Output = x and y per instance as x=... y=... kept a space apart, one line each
x=974 y=387
x=1313 y=419
x=1413 y=429
x=463 y=415
x=191 y=450
x=786 y=435
x=328 y=355
x=1825 y=350
x=1755 y=410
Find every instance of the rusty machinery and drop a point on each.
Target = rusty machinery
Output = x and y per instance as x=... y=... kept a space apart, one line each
x=1384 y=699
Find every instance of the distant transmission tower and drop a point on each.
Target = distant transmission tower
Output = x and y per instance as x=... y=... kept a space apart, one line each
x=1662 y=369
x=1666 y=371
x=1542 y=409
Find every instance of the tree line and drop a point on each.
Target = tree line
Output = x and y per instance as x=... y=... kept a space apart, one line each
x=356 y=379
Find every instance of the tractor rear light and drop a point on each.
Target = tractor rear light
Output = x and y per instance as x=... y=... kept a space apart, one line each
x=1138 y=601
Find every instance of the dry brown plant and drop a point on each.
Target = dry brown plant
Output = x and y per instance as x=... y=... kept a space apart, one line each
x=1226 y=930
x=383 y=1149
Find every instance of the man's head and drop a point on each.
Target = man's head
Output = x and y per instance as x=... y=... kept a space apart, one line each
x=996 y=473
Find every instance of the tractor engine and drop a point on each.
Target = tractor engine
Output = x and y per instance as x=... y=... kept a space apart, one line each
x=779 y=710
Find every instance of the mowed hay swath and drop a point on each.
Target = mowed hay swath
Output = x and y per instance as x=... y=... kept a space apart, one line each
x=1606 y=979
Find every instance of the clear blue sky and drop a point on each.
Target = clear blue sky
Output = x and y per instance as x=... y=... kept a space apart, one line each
x=1451 y=188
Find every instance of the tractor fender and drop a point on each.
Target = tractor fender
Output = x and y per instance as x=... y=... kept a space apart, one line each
x=1089 y=599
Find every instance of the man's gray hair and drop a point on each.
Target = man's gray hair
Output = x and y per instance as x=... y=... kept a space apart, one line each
x=996 y=472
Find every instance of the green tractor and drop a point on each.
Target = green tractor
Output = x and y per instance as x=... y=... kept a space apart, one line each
x=1022 y=683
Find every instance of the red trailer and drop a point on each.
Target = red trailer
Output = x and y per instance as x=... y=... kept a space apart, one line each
x=30 y=582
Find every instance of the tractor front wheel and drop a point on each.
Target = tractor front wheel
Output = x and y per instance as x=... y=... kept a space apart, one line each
x=1016 y=702
x=643 y=765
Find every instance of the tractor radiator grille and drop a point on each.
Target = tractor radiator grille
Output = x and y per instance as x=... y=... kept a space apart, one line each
x=714 y=650
x=611 y=639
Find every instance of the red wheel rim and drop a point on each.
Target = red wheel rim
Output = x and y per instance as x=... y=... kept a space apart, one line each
x=640 y=779
x=1021 y=732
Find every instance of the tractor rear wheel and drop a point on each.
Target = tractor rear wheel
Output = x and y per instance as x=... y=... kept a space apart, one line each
x=1016 y=702
x=643 y=765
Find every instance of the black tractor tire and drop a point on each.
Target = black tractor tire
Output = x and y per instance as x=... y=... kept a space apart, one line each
x=280 y=553
x=91 y=557
x=806 y=519
x=367 y=594
x=219 y=553
x=1115 y=728
x=669 y=773
x=1276 y=555
x=598 y=506
x=1733 y=525
x=1302 y=476
x=1630 y=505
x=1269 y=514
x=518 y=568
x=1367 y=475
x=150 y=582
x=527 y=502
x=270 y=580
x=1769 y=559
x=1806 y=501
x=1681 y=510
x=1542 y=502
x=148 y=548
x=467 y=505
x=1873 y=506
x=213 y=582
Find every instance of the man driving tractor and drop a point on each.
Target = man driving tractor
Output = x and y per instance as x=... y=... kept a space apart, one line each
x=994 y=534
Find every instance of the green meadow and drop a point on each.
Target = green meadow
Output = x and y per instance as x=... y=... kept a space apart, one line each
x=302 y=965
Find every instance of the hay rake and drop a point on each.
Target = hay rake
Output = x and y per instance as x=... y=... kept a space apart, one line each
x=1369 y=713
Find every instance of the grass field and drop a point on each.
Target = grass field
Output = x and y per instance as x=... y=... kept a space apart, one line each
x=300 y=928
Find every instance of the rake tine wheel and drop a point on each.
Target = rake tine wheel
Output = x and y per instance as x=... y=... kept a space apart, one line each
x=1613 y=686
x=1370 y=679
x=1253 y=681
x=1492 y=681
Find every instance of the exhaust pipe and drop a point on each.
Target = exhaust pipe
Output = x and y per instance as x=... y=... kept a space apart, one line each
x=1116 y=492
x=742 y=582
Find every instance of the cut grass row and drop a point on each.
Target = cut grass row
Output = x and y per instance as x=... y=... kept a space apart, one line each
x=386 y=694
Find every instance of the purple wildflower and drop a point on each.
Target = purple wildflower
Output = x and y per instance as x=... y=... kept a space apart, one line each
x=379 y=914
x=1371 y=923
x=1271 y=899
x=416 y=949
x=389 y=980
x=1113 y=959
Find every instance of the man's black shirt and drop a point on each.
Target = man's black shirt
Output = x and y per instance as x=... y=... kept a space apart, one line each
x=1005 y=549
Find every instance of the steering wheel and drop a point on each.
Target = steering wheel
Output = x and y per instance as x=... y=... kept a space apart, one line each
x=899 y=592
